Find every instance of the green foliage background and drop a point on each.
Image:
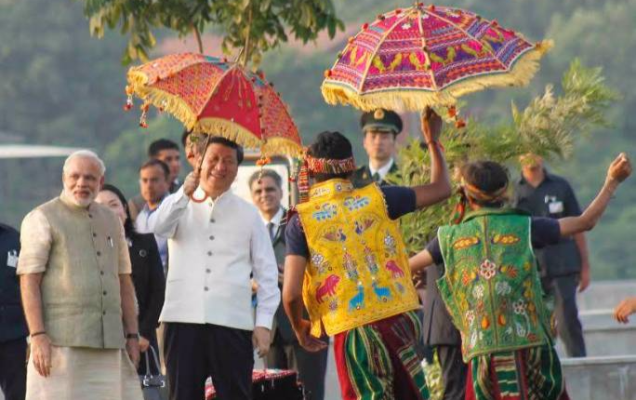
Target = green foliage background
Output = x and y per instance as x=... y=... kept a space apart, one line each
x=60 y=86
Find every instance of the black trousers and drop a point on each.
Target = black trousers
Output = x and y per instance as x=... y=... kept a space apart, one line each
x=311 y=367
x=453 y=372
x=569 y=326
x=195 y=351
x=13 y=369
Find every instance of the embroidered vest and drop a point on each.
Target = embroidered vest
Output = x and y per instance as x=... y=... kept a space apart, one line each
x=491 y=284
x=358 y=270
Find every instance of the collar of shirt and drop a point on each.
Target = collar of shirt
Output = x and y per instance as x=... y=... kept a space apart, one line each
x=147 y=210
x=382 y=171
x=220 y=199
x=276 y=219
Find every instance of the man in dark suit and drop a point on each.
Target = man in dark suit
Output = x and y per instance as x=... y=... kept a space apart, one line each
x=380 y=129
x=285 y=352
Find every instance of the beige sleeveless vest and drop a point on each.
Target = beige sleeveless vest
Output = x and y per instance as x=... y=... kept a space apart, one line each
x=80 y=288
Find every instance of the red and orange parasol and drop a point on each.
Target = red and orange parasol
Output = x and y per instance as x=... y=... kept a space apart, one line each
x=214 y=96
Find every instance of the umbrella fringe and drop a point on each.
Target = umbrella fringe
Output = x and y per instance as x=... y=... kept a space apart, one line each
x=161 y=99
x=236 y=133
x=277 y=146
x=415 y=99
x=229 y=130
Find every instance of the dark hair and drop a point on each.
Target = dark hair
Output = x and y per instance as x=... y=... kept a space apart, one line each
x=184 y=137
x=334 y=146
x=227 y=143
x=266 y=173
x=129 y=227
x=487 y=176
x=156 y=163
x=160 y=145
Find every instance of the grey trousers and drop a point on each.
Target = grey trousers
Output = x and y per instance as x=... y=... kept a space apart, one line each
x=453 y=371
x=569 y=326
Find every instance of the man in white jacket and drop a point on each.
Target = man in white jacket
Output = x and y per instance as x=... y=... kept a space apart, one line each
x=215 y=244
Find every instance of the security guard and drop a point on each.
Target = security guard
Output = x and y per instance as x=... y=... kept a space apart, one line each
x=13 y=329
x=380 y=129
x=564 y=266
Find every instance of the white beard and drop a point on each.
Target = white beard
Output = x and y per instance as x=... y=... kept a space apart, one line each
x=78 y=202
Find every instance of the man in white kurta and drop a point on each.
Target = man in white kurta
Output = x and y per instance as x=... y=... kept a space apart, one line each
x=78 y=295
x=215 y=247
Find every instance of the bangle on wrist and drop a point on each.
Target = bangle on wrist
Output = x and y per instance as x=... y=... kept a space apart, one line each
x=132 y=336
x=38 y=333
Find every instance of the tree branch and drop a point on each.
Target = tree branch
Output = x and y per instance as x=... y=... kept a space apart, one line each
x=197 y=35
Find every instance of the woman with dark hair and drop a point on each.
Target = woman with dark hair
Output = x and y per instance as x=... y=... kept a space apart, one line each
x=491 y=288
x=147 y=272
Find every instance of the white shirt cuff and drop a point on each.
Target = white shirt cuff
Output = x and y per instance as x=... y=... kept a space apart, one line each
x=265 y=320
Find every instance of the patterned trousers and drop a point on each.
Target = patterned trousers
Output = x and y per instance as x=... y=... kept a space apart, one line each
x=380 y=361
x=528 y=374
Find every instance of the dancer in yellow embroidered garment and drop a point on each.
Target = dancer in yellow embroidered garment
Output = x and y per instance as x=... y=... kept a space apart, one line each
x=346 y=246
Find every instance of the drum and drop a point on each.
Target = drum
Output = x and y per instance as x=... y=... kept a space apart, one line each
x=269 y=384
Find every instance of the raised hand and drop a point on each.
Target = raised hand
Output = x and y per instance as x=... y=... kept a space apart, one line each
x=620 y=169
x=431 y=125
x=191 y=182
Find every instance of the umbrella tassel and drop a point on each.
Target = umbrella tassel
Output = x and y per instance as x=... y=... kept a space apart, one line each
x=129 y=99
x=129 y=103
x=262 y=162
x=303 y=182
x=144 y=114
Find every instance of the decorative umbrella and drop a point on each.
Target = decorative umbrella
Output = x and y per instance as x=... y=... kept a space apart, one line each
x=428 y=56
x=216 y=97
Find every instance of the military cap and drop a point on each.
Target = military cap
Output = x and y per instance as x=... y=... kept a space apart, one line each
x=381 y=120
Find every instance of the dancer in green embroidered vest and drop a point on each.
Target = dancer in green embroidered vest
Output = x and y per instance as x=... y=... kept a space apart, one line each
x=490 y=283
x=347 y=262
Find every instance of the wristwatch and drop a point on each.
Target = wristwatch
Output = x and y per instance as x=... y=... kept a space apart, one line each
x=132 y=336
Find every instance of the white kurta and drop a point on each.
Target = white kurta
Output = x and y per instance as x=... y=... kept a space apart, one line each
x=214 y=248
x=85 y=374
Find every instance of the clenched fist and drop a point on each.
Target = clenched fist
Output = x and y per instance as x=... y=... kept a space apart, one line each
x=620 y=169
x=191 y=182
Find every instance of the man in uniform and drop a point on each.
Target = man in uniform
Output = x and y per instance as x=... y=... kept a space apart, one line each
x=380 y=129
